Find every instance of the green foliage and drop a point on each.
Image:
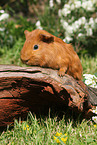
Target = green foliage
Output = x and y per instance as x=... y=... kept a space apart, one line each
x=42 y=131
x=12 y=56
x=50 y=21
x=13 y=31
x=89 y=64
x=12 y=39
x=15 y=6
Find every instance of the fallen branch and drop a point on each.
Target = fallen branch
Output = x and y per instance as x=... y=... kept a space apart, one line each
x=35 y=89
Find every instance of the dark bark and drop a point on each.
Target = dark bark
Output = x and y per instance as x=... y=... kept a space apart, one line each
x=35 y=89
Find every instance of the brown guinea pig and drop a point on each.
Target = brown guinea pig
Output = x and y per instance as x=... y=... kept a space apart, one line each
x=44 y=49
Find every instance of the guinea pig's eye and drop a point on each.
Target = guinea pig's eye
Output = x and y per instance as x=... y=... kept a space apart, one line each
x=35 y=47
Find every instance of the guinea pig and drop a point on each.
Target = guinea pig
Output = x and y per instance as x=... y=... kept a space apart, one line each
x=46 y=50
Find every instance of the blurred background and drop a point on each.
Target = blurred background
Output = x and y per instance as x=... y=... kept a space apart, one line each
x=74 y=21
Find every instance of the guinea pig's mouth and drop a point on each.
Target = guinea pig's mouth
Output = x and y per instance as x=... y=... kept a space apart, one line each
x=25 y=61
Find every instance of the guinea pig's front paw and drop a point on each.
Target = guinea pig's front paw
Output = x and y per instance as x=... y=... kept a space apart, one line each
x=61 y=72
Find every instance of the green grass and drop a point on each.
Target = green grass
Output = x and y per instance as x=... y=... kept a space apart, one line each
x=12 y=56
x=89 y=64
x=41 y=131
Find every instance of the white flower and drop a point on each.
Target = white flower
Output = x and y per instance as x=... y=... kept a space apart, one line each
x=93 y=82
x=80 y=35
x=64 y=40
x=67 y=34
x=68 y=12
x=94 y=118
x=83 y=20
x=80 y=135
x=88 y=5
x=58 y=1
x=89 y=32
x=78 y=22
x=64 y=23
x=89 y=76
x=72 y=7
x=93 y=85
x=71 y=20
x=65 y=11
x=2 y=29
x=69 y=29
x=38 y=25
x=96 y=20
x=75 y=26
x=40 y=28
x=59 y=13
x=68 y=39
x=84 y=4
x=86 y=26
x=67 y=6
x=94 y=1
x=4 y=16
x=91 y=22
x=88 y=82
x=51 y=3
x=78 y=4
x=2 y=11
x=90 y=8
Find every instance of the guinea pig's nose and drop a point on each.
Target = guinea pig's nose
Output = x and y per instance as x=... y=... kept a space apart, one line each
x=24 y=61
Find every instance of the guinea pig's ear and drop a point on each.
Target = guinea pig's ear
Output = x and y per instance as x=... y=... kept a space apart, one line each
x=26 y=32
x=46 y=38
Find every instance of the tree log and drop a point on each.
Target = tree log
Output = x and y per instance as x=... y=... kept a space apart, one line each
x=35 y=89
